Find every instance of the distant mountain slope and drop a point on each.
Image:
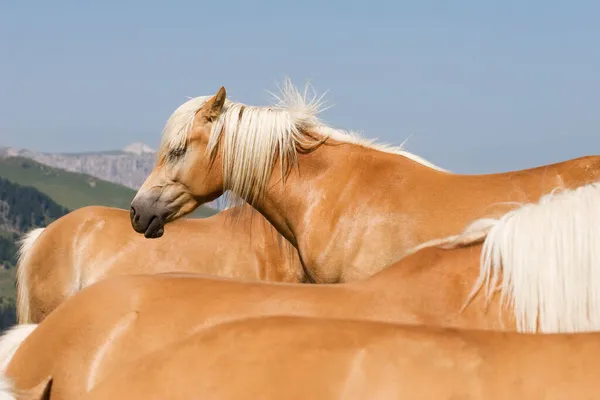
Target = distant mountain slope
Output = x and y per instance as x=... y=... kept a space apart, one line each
x=22 y=208
x=128 y=167
x=70 y=189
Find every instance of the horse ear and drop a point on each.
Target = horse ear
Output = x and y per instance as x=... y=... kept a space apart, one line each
x=214 y=106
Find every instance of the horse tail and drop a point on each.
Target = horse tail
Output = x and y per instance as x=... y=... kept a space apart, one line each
x=6 y=389
x=10 y=342
x=39 y=392
x=473 y=234
x=25 y=245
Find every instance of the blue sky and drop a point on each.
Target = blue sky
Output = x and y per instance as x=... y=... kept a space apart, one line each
x=475 y=86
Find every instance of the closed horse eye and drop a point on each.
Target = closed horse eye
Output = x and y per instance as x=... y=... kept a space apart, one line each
x=176 y=153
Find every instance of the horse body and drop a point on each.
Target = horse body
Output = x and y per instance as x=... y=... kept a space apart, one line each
x=117 y=320
x=127 y=358
x=349 y=206
x=128 y=317
x=94 y=243
x=299 y=358
x=351 y=227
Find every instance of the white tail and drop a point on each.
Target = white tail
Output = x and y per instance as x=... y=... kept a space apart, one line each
x=545 y=259
x=25 y=245
x=9 y=343
x=472 y=234
x=39 y=392
x=6 y=389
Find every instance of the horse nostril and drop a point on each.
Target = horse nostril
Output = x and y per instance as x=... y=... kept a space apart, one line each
x=132 y=213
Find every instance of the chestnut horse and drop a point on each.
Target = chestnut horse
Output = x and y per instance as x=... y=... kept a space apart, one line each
x=118 y=320
x=349 y=206
x=274 y=358
x=94 y=242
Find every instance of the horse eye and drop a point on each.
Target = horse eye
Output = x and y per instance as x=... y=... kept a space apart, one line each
x=176 y=153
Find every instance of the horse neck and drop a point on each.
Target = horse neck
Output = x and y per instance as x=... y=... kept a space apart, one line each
x=244 y=219
x=328 y=184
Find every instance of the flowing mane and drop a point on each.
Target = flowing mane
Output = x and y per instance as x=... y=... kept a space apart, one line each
x=253 y=136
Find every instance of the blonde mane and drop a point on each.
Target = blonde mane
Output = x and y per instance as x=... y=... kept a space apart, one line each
x=253 y=137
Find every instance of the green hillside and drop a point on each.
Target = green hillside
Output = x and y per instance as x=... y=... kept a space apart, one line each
x=70 y=189
x=23 y=208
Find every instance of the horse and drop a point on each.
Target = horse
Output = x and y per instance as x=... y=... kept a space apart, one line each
x=452 y=283
x=350 y=206
x=117 y=320
x=297 y=358
x=274 y=358
x=92 y=243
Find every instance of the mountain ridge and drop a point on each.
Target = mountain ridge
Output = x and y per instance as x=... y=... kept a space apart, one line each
x=73 y=189
x=128 y=167
x=118 y=166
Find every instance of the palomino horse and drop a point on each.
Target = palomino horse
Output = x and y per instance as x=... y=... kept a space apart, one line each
x=127 y=317
x=277 y=358
x=349 y=206
x=93 y=243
